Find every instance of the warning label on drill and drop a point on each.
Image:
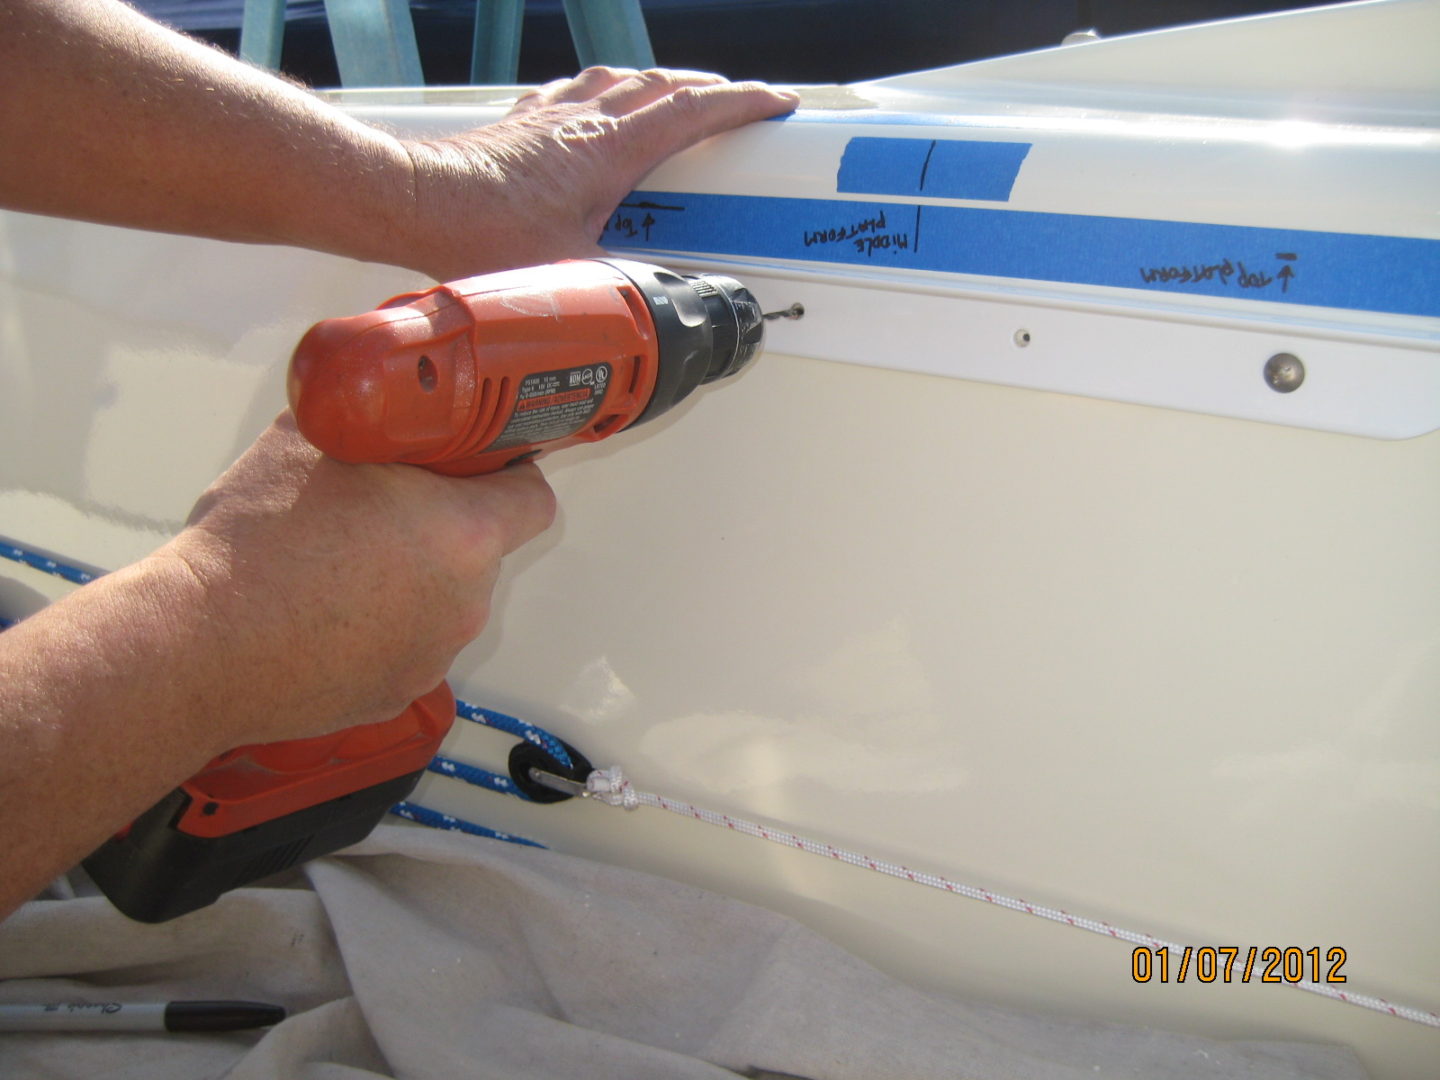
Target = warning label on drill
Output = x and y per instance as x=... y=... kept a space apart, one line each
x=553 y=404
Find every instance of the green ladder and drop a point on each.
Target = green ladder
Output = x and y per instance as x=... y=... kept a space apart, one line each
x=375 y=39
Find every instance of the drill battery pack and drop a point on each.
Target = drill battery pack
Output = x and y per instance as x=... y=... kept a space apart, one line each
x=257 y=810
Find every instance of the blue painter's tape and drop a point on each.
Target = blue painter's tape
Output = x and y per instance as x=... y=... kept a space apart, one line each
x=1360 y=272
x=884 y=166
x=962 y=169
x=942 y=168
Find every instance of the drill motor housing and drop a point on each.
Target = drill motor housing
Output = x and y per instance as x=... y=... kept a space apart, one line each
x=471 y=376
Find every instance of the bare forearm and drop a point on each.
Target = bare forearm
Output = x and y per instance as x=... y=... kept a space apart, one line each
x=106 y=116
x=292 y=605
x=104 y=709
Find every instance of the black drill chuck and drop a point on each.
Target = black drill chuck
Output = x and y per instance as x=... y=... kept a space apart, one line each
x=708 y=327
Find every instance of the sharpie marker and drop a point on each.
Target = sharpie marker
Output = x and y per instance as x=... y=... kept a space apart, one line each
x=139 y=1016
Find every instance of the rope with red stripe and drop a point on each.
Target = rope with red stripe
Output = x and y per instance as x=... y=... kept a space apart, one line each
x=612 y=787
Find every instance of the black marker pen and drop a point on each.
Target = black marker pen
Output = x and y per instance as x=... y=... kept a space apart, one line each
x=139 y=1016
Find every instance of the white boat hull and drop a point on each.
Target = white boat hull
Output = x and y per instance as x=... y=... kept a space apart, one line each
x=1173 y=670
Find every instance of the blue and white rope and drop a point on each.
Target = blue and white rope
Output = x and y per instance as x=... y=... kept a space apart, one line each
x=521 y=729
x=474 y=774
x=423 y=815
x=45 y=564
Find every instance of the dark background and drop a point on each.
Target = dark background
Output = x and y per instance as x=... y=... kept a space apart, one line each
x=787 y=41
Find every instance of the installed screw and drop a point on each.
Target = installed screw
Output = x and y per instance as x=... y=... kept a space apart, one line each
x=1284 y=373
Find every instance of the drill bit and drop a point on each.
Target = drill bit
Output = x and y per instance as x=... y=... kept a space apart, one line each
x=794 y=311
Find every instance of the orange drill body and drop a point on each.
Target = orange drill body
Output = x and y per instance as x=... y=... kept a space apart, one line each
x=467 y=377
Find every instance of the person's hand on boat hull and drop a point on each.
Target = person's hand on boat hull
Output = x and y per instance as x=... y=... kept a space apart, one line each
x=107 y=116
x=540 y=185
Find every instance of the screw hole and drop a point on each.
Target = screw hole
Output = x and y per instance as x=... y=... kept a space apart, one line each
x=429 y=377
x=1022 y=338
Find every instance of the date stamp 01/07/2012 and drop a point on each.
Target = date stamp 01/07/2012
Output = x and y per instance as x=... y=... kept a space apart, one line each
x=1235 y=963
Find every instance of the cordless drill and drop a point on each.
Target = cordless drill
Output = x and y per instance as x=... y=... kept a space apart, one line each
x=464 y=378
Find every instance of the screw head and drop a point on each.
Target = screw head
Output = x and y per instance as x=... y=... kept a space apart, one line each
x=1284 y=373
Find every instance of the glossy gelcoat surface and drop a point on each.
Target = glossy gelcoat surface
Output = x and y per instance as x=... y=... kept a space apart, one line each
x=1172 y=670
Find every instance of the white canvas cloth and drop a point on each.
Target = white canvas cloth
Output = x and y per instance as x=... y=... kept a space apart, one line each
x=431 y=956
